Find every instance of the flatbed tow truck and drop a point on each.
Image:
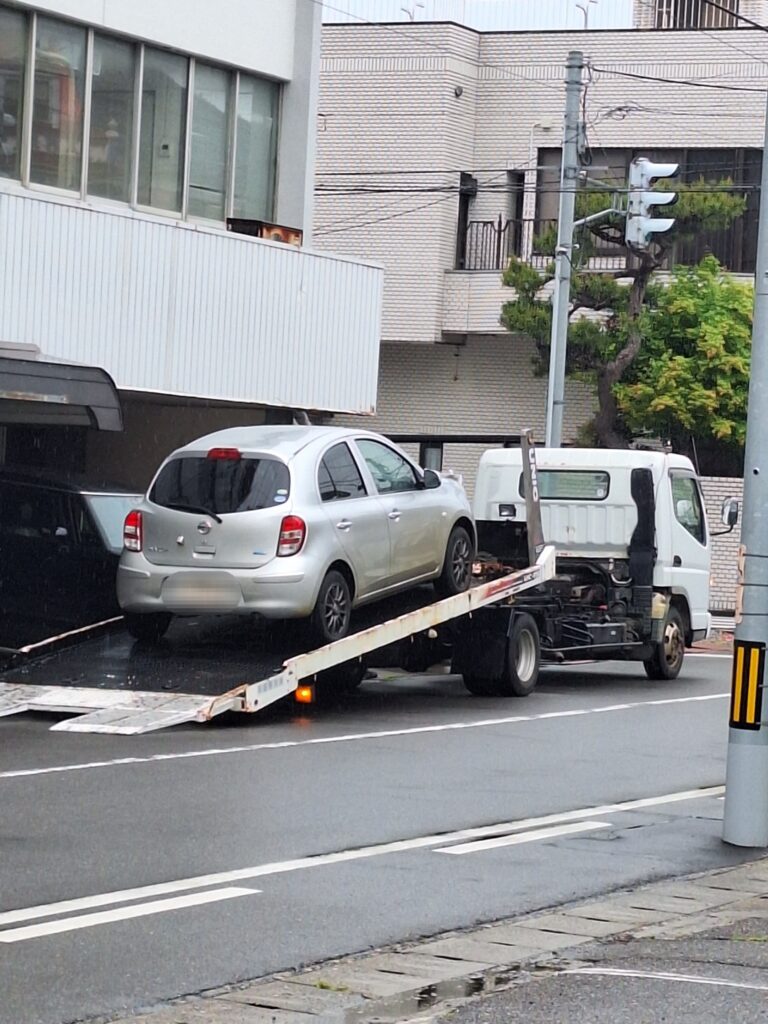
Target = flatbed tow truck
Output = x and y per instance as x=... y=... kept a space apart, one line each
x=621 y=584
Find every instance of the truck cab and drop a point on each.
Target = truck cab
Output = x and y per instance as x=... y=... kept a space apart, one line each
x=632 y=540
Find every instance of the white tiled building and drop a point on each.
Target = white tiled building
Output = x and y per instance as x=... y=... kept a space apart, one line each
x=130 y=132
x=410 y=112
x=405 y=109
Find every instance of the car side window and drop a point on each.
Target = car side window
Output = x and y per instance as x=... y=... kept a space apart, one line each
x=34 y=512
x=338 y=476
x=390 y=471
x=688 y=506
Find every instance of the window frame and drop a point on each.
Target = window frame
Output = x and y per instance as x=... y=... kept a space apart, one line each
x=681 y=474
x=80 y=192
x=542 y=473
x=322 y=463
x=399 y=455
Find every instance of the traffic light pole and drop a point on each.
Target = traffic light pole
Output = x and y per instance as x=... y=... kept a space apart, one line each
x=561 y=298
x=745 y=821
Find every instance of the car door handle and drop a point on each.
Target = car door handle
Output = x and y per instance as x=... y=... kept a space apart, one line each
x=343 y=524
x=677 y=561
x=394 y=514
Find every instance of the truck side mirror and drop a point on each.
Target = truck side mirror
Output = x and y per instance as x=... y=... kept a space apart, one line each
x=729 y=513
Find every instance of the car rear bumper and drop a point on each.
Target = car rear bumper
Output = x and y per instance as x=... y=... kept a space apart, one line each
x=281 y=590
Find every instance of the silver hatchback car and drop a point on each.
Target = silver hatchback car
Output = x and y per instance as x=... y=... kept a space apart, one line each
x=290 y=522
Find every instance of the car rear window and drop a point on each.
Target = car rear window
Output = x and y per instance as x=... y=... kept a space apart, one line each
x=222 y=485
x=109 y=511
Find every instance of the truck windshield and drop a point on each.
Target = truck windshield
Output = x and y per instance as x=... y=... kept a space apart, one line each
x=222 y=485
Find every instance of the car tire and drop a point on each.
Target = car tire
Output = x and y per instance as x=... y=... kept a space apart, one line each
x=149 y=627
x=667 y=659
x=456 y=574
x=332 y=612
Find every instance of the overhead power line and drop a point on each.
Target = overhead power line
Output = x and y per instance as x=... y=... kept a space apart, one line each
x=679 y=81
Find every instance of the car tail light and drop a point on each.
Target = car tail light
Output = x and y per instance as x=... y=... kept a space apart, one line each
x=293 y=532
x=232 y=454
x=133 y=533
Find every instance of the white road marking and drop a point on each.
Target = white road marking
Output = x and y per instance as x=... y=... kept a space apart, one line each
x=524 y=837
x=71 y=924
x=319 y=860
x=691 y=979
x=484 y=723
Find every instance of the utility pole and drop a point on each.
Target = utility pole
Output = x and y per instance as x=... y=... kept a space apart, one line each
x=561 y=298
x=745 y=820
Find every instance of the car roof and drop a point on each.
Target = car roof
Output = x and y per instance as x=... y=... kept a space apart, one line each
x=73 y=483
x=285 y=441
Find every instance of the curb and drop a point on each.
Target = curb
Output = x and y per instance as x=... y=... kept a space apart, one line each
x=399 y=982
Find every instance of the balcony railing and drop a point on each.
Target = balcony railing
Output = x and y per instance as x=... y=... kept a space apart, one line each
x=490 y=244
x=696 y=14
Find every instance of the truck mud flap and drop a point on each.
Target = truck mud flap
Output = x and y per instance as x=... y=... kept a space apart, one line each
x=114 y=711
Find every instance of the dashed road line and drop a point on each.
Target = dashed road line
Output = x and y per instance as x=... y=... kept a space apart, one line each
x=359 y=737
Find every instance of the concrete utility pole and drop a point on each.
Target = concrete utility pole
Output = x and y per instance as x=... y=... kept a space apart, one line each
x=746 y=792
x=561 y=298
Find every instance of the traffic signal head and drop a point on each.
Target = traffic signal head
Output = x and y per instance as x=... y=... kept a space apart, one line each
x=641 y=224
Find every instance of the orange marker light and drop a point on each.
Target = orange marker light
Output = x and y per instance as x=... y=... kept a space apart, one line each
x=305 y=695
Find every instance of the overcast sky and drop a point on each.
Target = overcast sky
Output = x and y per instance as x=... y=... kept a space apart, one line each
x=487 y=15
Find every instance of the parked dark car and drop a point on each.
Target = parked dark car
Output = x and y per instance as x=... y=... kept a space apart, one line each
x=60 y=542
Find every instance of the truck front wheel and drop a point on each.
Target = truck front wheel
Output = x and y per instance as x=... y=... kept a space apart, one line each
x=667 y=659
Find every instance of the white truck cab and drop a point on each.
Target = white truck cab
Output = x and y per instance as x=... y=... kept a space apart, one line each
x=631 y=536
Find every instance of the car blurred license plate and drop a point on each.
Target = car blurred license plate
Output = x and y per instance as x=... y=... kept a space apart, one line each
x=195 y=592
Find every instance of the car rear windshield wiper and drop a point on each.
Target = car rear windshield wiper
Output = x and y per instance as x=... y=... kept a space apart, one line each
x=193 y=508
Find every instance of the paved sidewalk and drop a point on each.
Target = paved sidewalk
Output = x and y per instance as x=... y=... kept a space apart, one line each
x=693 y=949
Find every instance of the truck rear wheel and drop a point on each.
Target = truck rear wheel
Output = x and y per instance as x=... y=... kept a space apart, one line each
x=521 y=671
x=667 y=659
x=523 y=658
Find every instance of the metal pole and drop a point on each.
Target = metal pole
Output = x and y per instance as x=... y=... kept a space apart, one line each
x=746 y=793
x=561 y=298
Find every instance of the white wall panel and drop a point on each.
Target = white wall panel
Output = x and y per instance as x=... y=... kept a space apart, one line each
x=253 y=34
x=184 y=310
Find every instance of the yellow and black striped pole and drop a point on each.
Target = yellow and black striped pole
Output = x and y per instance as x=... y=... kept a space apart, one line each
x=747 y=685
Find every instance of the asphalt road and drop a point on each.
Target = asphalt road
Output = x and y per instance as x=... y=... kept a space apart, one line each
x=135 y=870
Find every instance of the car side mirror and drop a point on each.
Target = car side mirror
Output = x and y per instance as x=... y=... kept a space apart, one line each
x=431 y=479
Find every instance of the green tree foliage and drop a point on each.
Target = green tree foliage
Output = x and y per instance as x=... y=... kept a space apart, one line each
x=611 y=313
x=691 y=377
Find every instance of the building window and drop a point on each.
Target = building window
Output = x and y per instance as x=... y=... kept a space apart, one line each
x=696 y=14
x=431 y=455
x=163 y=124
x=13 y=48
x=210 y=134
x=111 y=129
x=58 y=101
x=123 y=121
x=255 y=148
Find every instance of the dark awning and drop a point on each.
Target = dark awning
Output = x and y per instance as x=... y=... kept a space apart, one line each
x=58 y=394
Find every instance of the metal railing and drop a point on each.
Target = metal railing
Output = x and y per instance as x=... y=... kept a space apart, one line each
x=490 y=244
x=696 y=14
